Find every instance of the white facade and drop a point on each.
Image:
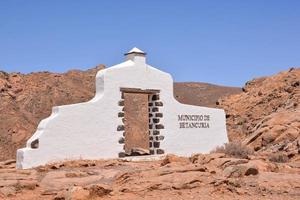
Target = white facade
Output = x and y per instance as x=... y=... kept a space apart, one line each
x=89 y=130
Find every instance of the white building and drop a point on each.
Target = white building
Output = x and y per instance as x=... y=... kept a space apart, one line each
x=133 y=113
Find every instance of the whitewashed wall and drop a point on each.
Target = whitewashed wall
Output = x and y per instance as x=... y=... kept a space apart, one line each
x=89 y=130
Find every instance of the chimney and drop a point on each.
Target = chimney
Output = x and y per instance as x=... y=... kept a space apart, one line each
x=136 y=55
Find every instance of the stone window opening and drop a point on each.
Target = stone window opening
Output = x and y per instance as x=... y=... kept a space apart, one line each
x=35 y=144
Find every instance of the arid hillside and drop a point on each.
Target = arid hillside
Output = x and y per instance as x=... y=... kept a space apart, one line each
x=25 y=99
x=202 y=94
x=266 y=116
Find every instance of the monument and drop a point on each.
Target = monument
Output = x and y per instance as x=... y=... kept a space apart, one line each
x=133 y=113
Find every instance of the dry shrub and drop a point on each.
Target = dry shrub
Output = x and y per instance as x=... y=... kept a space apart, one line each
x=279 y=158
x=18 y=186
x=99 y=190
x=234 y=149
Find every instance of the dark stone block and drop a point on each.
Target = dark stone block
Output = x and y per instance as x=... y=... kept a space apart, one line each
x=150 y=115
x=121 y=128
x=151 y=138
x=121 y=103
x=155 y=109
x=155 y=97
x=121 y=140
x=160 y=151
x=150 y=104
x=150 y=126
x=150 y=144
x=155 y=120
x=155 y=132
x=122 y=154
x=151 y=151
x=158 y=115
x=159 y=103
x=159 y=126
x=120 y=114
x=156 y=144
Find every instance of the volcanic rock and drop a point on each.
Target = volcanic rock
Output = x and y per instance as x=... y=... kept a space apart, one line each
x=266 y=116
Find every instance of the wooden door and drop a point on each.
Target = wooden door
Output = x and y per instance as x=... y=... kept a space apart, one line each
x=136 y=116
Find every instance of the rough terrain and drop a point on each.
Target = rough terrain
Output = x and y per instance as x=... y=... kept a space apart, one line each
x=266 y=116
x=211 y=176
x=202 y=94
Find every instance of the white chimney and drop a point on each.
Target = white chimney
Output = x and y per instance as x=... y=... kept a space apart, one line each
x=136 y=55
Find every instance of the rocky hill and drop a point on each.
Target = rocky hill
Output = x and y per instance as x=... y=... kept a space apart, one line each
x=25 y=99
x=202 y=94
x=266 y=116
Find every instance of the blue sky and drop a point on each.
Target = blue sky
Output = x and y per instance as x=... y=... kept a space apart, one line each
x=222 y=42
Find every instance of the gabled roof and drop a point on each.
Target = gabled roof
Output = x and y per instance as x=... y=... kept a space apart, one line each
x=135 y=50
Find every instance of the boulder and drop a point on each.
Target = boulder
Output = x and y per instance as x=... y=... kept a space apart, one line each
x=206 y=158
x=170 y=158
x=240 y=171
x=77 y=193
x=98 y=190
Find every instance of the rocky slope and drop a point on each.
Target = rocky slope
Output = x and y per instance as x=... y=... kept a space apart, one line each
x=202 y=94
x=266 y=115
x=27 y=99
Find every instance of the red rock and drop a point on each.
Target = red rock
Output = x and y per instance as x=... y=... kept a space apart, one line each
x=269 y=119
